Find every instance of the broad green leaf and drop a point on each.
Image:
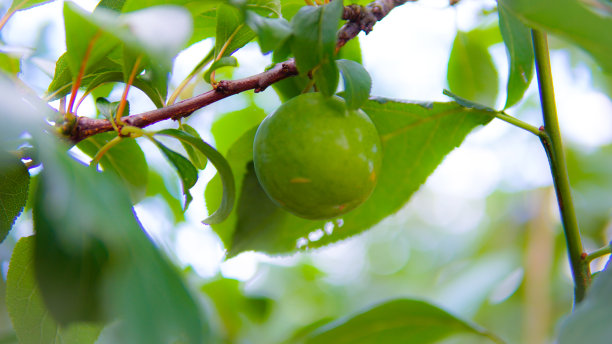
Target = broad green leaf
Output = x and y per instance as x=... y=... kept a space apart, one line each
x=517 y=38
x=232 y=31
x=230 y=126
x=227 y=61
x=471 y=71
x=272 y=32
x=18 y=5
x=223 y=169
x=84 y=225
x=589 y=322
x=184 y=168
x=291 y=87
x=587 y=28
x=85 y=39
x=27 y=310
x=198 y=159
x=351 y=51
x=357 y=83
x=108 y=109
x=416 y=138
x=326 y=77
x=126 y=160
x=397 y=321
x=314 y=34
x=14 y=182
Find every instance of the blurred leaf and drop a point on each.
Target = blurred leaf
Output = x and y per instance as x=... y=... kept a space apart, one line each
x=357 y=83
x=10 y=63
x=85 y=225
x=126 y=160
x=14 y=182
x=223 y=169
x=230 y=126
x=517 y=38
x=18 y=5
x=227 y=61
x=351 y=51
x=589 y=322
x=115 y=5
x=272 y=32
x=415 y=137
x=198 y=159
x=157 y=186
x=588 y=28
x=184 y=168
x=85 y=39
x=397 y=321
x=471 y=71
x=28 y=312
x=232 y=32
x=314 y=35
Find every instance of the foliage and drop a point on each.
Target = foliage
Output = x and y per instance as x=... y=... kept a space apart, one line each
x=92 y=272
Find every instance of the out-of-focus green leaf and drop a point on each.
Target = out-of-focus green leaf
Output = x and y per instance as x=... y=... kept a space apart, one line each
x=517 y=38
x=157 y=186
x=397 y=321
x=198 y=159
x=227 y=61
x=27 y=310
x=357 y=83
x=14 y=182
x=471 y=71
x=115 y=5
x=10 y=63
x=314 y=35
x=230 y=126
x=184 y=168
x=126 y=160
x=232 y=31
x=18 y=5
x=415 y=137
x=92 y=259
x=223 y=169
x=588 y=28
x=351 y=51
x=589 y=322
x=272 y=32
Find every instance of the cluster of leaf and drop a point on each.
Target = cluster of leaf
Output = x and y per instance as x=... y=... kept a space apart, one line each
x=91 y=262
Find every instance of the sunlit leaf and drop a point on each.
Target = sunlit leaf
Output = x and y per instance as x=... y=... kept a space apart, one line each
x=517 y=38
x=232 y=32
x=14 y=182
x=397 y=321
x=126 y=160
x=227 y=61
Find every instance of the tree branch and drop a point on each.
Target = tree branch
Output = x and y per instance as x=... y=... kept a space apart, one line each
x=359 y=18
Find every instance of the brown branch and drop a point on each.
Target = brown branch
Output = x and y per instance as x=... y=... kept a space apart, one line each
x=359 y=18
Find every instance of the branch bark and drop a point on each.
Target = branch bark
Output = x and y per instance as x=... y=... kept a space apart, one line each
x=359 y=18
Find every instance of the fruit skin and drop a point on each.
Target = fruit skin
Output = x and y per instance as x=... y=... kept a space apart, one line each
x=315 y=158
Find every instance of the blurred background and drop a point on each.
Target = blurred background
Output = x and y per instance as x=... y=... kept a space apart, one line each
x=481 y=238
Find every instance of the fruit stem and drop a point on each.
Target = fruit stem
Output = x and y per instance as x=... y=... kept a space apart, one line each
x=556 y=158
x=517 y=123
x=598 y=253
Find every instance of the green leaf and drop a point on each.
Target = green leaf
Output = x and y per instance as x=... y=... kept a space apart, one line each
x=351 y=51
x=157 y=186
x=517 y=38
x=14 y=182
x=18 y=5
x=314 y=34
x=126 y=160
x=223 y=168
x=357 y=83
x=232 y=31
x=471 y=71
x=106 y=109
x=588 y=28
x=589 y=322
x=232 y=125
x=416 y=138
x=397 y=321
x=85 y=225
x=115 y=5
x=156 y=95
x=10 y=63
x=198 y=159
x=184 y=168
x=85 y=38
x=227 y=61
x=272 y=32
x=326 y=77
x=27 y=310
